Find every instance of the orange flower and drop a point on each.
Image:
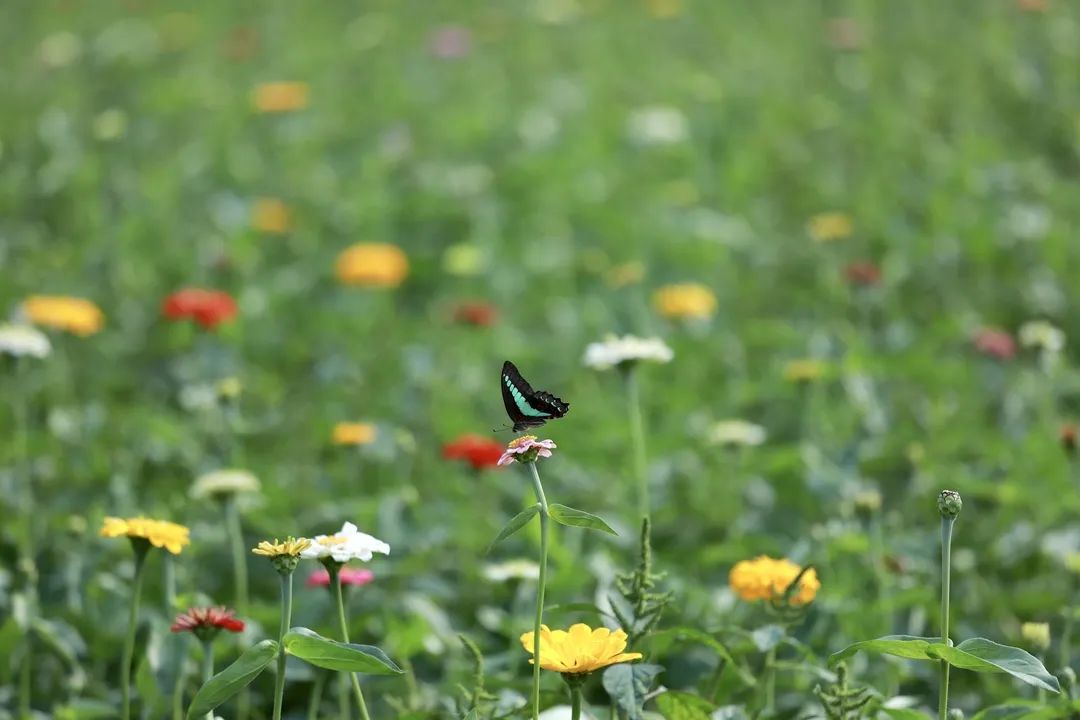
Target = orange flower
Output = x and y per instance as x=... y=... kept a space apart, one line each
x=73 y=314
x=280 y=96
x=764 y=578
x=372 y=265
x=354 y=433
x=271 y=215
x=685 y=301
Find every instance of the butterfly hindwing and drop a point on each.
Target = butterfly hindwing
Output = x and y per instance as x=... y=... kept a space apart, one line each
x=527 y=407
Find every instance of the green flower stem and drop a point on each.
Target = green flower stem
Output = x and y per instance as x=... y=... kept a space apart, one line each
x=343 y=697
x=26 y=538
x=141 y=548
x=239 y=552
x=637 y=440
x=946 y=566
x=544 y=522
x=575 y=703
x=168 y=572
x=286 y=619
x=770 y=680
x=208 y=667
x=316 y=695
x=335 y=579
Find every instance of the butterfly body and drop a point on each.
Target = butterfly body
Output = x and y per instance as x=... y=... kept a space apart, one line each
x=526 y=407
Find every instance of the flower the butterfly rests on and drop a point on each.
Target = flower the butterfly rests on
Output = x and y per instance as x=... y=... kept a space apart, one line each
x=526 y=407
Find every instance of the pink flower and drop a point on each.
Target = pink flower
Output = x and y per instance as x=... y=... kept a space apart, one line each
x=526 y=449
x=206 y=622
x=349 y=576
x=995 y=343
x=450 y=42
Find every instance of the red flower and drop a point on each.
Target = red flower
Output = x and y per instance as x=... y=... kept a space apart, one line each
x=995 y=343
x=476 y=312
x=864 y=273
x=209 y=308
x=349 y=576
x=478 y=451
x=1068 y=436
x=206 y=622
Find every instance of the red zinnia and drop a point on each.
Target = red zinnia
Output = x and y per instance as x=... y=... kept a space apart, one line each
x=349 y=576
x=995 y=343
x=476 y=312
x=480 y=452
x=202 y=621
x=209 y=308
x=863 y=273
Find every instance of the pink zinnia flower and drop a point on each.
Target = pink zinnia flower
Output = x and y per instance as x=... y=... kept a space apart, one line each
x=995 y=343
x=526 y=449
x=349 y=576
x=450 y=42
x=207 y=621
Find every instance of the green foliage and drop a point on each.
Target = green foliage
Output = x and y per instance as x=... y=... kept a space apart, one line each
x=516 y=523
x=329 y=654
x=230 y=681
x=842 y=702
x=640 y=607
x=573 y=517
x=627 y=684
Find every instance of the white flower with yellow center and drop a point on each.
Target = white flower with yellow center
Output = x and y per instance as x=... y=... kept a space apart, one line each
x=345 y=545
x=617 y=351
x=20 y=340
x=1043 y=336
x=737 y=432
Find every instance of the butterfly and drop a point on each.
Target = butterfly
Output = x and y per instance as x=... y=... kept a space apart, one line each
x=525 y=406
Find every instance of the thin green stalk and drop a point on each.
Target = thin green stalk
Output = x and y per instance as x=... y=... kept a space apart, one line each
x=1066 y=638
x=637 y=440
x=283 y=627
x=541 y=585
x=26 y=544
x=168 y=572
x=343 y=697
x=316 y=695
x=575 y=703
x=141 y=548
x=335 y=579
x=770 y=680
x=208 y=667
x=946 y=581
x=239 y=552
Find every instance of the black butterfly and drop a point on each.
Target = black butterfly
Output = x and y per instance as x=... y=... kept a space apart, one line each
x=525 y=406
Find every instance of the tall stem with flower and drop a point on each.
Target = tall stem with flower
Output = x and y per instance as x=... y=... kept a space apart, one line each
x=949 y=505
x=284 y=556
x=545 y=519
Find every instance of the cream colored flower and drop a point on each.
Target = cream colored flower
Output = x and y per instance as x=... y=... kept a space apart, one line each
x=628 y=349
x=23 y=340
x=657 y=125
x=345 y=545
x=1042 y=336
x=519 y=569
x=224 y=482
x=737 y=432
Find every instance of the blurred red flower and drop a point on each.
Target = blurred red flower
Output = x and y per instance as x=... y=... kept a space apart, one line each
x=863 y=273
x=199 y=620
x=995 y=343
x=478 y=451
x=1068 y=436
x=349 y=576
x=476 y=312
x=209 y=308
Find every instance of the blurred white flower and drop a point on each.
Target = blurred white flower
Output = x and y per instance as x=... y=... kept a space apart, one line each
x=224 y=482
x=657 y=125
x=519 y=569
x=345 y=545
x=20 y=340
x=1043 y=336
x=736 y=432
x=60 y=49
x=617 y=351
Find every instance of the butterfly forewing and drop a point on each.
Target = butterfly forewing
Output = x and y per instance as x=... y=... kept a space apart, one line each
x=527 y=407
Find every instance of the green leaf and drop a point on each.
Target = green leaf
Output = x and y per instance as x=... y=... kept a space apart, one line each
x=982 y=655
x=232 y=679
x=675 y=705
x=704 y=638
x=333 y=655
x=578 y=607
x=154 y=700
x=62 y=639
x=627 y=686
x=905 y=646
x=516 y=523
x=84 y=709
x=1021 y=710
x=904 y=713
x=578 y=518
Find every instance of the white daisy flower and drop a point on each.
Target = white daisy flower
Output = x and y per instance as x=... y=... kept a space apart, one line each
x=1043 y=336
x=737 y=432
x=617 y=351
x=345 y=545
x=657 y=125
x=224 y=482
x=519 y=569
x=20 y=340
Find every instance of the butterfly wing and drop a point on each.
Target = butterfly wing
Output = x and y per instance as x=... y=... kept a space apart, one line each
x=525 y=406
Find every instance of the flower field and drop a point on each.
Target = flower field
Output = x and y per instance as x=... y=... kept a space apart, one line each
x=769 y=307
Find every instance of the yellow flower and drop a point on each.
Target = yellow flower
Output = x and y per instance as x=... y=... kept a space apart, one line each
x=579 y=650
x=664 y=8
x=764 y=578
x=271 y=215
x=289 y=547
x=280 y=96
x=826 y=227
x=372 y=265
x=685 y=300
x=73 y=314
x=159 y=533
x=805 y=370
x=1037 y=635
x=354 y=433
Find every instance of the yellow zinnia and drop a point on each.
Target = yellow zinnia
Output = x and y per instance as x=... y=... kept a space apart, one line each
x=354 y=433
x=72 y=314
x=579 y=650
x=271 y=215
x=289 y=547
x=159 y=533
x=764 y=578
x=826 y=227
x=805 y=370
x=372 y=265
x=280 y=96
x=685 y=300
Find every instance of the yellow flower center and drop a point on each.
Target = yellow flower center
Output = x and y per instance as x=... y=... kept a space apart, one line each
x=523 y=440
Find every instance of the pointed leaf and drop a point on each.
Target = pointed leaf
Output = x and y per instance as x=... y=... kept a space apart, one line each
x=982 y=655
x=904 y=713
x=699 y=636
x=232 y=679
x=578 y=518
x=905 y=646
x=516 y=523
x=578 y=607
x=627 y=686
x=333 y=655
x=675 y=705
x=1017 y=710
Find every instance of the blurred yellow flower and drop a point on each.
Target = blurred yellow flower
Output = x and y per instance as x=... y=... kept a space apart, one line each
x=684 y=300
x=664 y=8
x=826 y=227
x=1037 y=635
x=764 y=578
x=280 y=96
x=271 y=215
x=73 y=314
x=628 y=273
x=159 y=533
x=230 y=387
x=464 y=259
x=805 y=370
x=289 y=547
x=579 y=650
x=372 y=265
x=354 y=433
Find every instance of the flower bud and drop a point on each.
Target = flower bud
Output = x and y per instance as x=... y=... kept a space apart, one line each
x=1037 y=635
x=956 y=714
x=285 y=564
x=949 y=503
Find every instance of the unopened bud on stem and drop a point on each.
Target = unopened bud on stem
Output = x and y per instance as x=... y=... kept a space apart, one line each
x=949 y=503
